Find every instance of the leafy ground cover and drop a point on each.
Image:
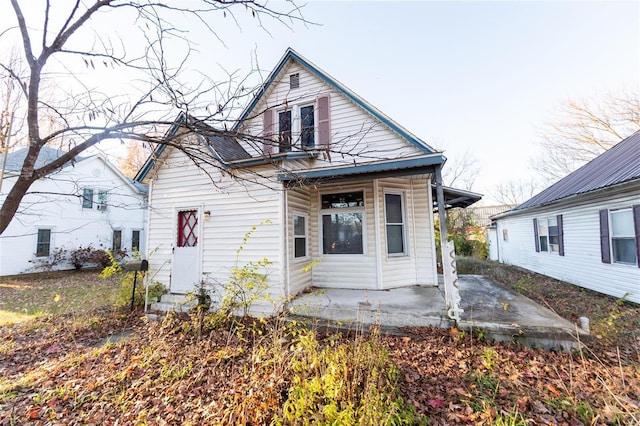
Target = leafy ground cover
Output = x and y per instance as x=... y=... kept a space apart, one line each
x=208 y=369
x=24 y=297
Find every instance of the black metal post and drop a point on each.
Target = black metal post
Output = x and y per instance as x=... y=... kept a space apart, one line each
x=133 y=293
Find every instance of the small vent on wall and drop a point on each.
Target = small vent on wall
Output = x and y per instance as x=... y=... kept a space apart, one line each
x=294 y=81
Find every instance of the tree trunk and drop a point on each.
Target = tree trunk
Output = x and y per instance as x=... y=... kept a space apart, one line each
x=12 y=202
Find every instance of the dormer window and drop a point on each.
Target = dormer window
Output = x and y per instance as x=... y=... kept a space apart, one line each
x=294 y=81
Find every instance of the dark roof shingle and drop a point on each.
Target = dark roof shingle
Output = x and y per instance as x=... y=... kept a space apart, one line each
x=617 y=165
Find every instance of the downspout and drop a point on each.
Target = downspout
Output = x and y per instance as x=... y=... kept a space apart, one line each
x=451 y=292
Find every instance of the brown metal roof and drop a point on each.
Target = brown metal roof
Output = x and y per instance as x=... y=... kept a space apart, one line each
x=617 y=165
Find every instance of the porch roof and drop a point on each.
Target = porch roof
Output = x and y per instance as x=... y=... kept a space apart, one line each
x=396 y=168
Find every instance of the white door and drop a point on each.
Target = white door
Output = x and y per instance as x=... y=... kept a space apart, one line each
x=185 y=273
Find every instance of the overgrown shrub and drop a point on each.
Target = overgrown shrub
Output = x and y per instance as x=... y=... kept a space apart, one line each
x=127 y=278
x=57 y=257
x=345 y=383
x=81 y=256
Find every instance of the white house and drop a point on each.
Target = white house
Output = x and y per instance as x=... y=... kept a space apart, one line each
x=330 y=179
x=584 y=229
x=85 y=203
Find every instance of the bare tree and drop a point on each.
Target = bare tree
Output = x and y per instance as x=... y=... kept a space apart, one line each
x=461 y=171
x=583 y=129
x=61 y=42
x=517 y=191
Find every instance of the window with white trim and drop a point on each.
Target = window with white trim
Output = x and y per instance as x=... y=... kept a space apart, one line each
x=296 y=127
x=394 y=221
x=299 y=236
x=135 y=240
x=623 y=239
x=43 y=244
x=101 y=203
x=117 y=240
x=342 y=223
x=87 y=198
x=548 y=235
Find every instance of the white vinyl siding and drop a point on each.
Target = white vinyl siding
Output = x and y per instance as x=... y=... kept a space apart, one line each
x=233 y=213
x=582 y=264
x=354 y=132
x=418 y=266
x=299 y=277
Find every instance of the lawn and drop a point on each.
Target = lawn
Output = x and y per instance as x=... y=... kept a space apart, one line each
x=211 y=369
x=24 y=297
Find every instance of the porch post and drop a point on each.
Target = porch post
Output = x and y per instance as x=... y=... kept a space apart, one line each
x=451 y=292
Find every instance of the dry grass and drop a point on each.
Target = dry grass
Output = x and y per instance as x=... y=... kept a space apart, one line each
x=23 y=297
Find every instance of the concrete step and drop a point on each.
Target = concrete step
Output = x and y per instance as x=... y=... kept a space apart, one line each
x=174 y=302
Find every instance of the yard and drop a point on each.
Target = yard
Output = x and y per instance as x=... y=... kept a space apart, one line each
x=74 y=358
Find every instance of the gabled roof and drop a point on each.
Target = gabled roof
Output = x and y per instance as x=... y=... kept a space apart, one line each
x=291 y=54
x=46 y=155
x=225 y=149
x=617 y=165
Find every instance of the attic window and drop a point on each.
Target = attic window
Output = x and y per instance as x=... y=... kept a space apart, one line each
x=294 y=81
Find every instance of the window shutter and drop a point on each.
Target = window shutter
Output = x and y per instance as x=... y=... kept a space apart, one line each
x=560 y=235
x=267 y=125
x=605 y=248
x=324 y=121
x=536 y=235
x=636 y=224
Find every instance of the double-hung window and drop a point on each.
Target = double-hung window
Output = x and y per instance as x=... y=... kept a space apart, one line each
x=342 y=223
x=87 y=198
x=299 y=236
x=305 y=125
x=43 y=245
x=284 y=131
x=101 y=204
x=135 y=240
x=117 y=240
x=307 y=129
x=620 y=235
x=394 y=219
x=549 y=234
x=623 y=239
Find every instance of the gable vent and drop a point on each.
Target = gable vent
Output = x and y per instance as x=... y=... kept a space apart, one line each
x=294 y=81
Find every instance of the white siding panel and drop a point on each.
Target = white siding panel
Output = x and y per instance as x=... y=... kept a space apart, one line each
x=299 y=201
x=235 y=205
x=417 y=266
x=582 y=263
x=356 y=135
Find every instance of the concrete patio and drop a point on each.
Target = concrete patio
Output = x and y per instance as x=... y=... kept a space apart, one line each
x=491 y=309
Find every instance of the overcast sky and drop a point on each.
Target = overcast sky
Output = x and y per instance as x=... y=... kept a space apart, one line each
x=475 y=77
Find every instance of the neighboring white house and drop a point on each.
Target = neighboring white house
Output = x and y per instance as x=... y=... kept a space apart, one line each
x=335 y=180
x=85 y=203
x=584 y=229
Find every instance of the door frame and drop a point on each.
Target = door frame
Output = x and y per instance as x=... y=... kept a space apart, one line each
x=174 y=238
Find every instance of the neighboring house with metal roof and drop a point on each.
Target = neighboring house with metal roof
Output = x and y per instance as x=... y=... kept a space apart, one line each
x=584 y=229
x=335 y=183
x=86 y=202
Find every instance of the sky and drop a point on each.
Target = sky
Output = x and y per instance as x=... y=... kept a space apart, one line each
x=470 y=77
